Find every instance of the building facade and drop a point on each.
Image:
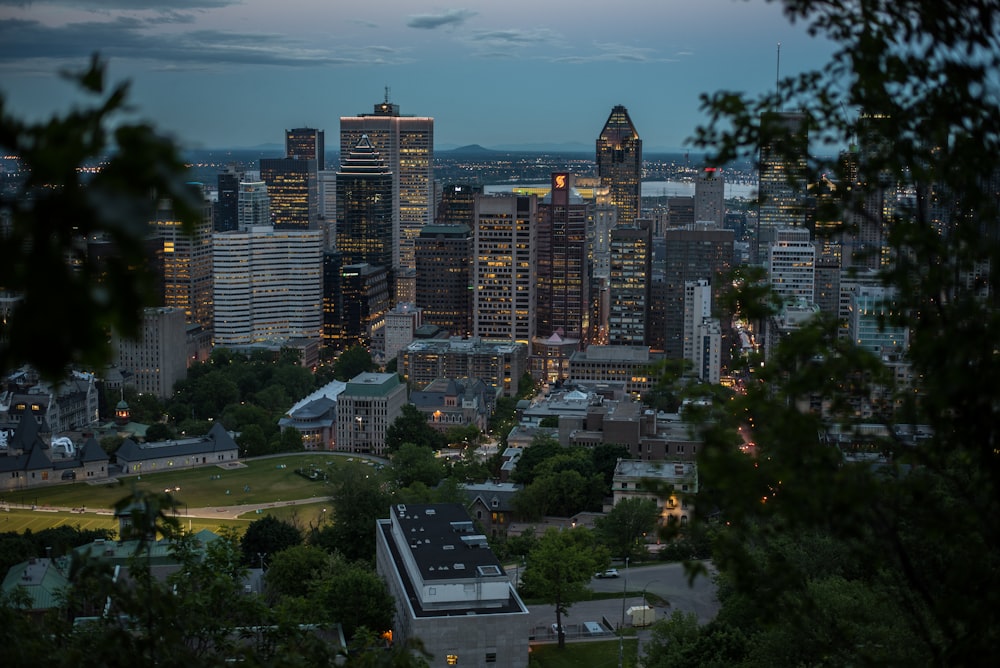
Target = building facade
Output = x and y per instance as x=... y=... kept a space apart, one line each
x=366 y=408
x=157 y=359
x=498 y=363
x=619 y=164
x=443 y=255
x=187 y=263
x=292 y=186
x=406 y=143
x=306 y=144
x=629 y=285
x=365 y=233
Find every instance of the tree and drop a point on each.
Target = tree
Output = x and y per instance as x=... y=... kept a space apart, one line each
x=411 y=427
x=924 y=79
x=413 y=463
x=291 y=572
x=562 y=493
x=159 y=432
x=268 y=536
x=559 y=568
x=67 y=302
x=356 y=597
x=351 y=362
x=541 y=448
x=624 y=528
x=359 y=498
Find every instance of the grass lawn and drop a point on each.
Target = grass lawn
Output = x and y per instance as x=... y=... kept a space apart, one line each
x=199 y=487
x=596 y=654
x=19 y=521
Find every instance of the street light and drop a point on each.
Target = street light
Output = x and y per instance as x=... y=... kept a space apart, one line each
x=621 y=628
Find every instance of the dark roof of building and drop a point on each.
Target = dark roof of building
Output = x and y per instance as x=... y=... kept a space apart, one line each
x=444 y=542
x=93 y=452
x=217 y=440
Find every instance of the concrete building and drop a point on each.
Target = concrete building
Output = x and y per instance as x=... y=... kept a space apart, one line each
x=306 y=144
x=253 y=206
x=504 y=266
x=216 y=447
x=498 y=363
x=366 y=408
x=710 y=196
x=450 y=589
x=187 y=262
x=401 y=324
x=268 y=285
x=633 y=478
x=870 y=326
x=782 y=174
x=157 y=359
x=456 y=402
x=791 y=264
x=443 y=255
x=627 y=364
x=315 y=417
x=30 y=457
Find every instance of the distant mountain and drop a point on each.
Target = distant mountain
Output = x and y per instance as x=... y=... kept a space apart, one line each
x=565 y=147
x=471 y=149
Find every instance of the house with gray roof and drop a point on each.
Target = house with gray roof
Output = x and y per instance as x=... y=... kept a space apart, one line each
x=32 y=458
x=456 y=402
x=217 y=447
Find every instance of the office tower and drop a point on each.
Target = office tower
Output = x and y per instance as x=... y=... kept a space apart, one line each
x=332 y=264
x=457 y=205
x=292 y=187
x=253 y=205
x=443 y=256
x=364 y=207
x=706 y=353
x=782 y=172
x=401 y=324
x=619 y=164
x=791 y=265
x=629 y=285
x=710 y=196
x=268 y=285
x=692 y=253
x=306 y=144
x=680 y=211
x=406 y=143
x=697 y=306
x=562 y=271
x=503 y=268
x=187 y=262
x=366 y=408
x=157 y=358
x=362 y=303
x=227 y=206
x=869 y=326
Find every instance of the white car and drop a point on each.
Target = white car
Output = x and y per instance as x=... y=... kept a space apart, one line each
x=610 y=573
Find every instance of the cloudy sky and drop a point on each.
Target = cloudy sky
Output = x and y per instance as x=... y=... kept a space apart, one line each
x=234 y=73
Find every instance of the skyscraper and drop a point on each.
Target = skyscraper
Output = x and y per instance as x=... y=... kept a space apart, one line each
x=306 y=144
x=268 y=285
x=562 y=285
x=629 y=286
x=294 y=192
x=226 y=208
x=504 y=267
x=782 y=172
x=253 y=205
x=791 y=265
x=710 y=196
x=364 y=207
x=691 y=253
x=619 y=164
x=444 y=274
x=406 y=143
x=187 y=262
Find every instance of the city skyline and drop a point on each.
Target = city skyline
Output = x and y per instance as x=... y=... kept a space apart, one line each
x=237 y=73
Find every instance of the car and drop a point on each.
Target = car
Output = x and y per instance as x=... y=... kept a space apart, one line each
x=610 y=573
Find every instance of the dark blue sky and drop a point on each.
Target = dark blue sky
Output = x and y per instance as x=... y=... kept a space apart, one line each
x=237 y=72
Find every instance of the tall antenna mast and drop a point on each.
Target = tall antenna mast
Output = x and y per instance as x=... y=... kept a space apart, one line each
x=777 y=75
x=387 y=95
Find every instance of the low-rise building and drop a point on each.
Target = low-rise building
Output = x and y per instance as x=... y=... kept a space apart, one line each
x=491 y=505
x=672 y=485
x=498 y=363
x=315 y=417
x=461 y=402
x=217 y=447
x=450 y=589
x=367 y=406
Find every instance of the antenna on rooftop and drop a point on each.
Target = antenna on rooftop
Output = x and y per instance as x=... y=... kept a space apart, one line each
x=387 y=95
x=777 y=75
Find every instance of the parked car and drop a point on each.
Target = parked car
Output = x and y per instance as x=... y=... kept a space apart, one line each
x=610 y=573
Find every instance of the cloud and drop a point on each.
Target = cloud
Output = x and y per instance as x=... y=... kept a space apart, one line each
x=612 y=52
x=452 y=17
x=129 y=38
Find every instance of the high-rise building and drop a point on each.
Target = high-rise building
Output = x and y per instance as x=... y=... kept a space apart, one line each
x=504 y=260
x=187 y=262
x=362 y=303
x=691 y=253
x=629 y=286
x=364 y=207
x=697 y=306
x=401 y=324
x=457 y=205
x=406 y=143
x=619 y=164
x=268 y=285
x=157 y=358
x=791 y=265
x=366 y=408
x=710 y=196
x=869 y=324
x=306 y=144
x=253 y=206
x=294 y=192
x=782 y=172
x=562 y=270
x=444 y=277
x=227 y=206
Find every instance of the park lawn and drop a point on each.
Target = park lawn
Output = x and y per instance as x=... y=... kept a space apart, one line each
x=19 y=521
x=198 y=487
x=304 y=515
x=593 y=654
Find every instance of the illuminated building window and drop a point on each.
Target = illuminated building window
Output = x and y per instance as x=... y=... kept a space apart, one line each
x=452 y=659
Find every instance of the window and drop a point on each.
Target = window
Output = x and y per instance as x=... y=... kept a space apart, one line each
x=491 y=657
x=452 y=659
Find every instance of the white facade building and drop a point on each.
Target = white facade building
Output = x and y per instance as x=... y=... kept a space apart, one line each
x=791 y=265
x=253 y=206
x=400 y=325
x=365 y=409
x=268 y=285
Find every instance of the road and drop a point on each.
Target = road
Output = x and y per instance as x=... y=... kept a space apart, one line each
x=669 y=582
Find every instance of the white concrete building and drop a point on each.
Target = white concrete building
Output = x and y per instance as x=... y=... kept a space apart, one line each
x=400 y=325
x=268 y=285
x=365 y=409
x=157 y=358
